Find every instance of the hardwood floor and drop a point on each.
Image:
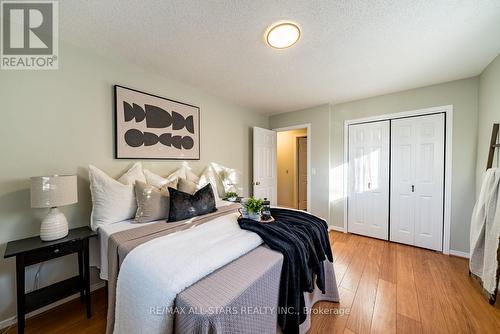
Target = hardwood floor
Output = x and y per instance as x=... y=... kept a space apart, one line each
x=69 y=318
x=393 y=288
x=384 y=288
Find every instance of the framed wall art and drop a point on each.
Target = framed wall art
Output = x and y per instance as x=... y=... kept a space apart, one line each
x=152 y=127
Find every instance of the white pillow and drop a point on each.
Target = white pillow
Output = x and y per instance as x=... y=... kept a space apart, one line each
x=229 y=178
x=133 y=174
x=190 y=176
x=112 y=201
x=158 y=181
x=209 y=176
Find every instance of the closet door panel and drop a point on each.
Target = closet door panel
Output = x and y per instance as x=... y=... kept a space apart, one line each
x=429 y=181
x=357 y=176
x=402 y=173
x=359 y=196
x=417 y=181
x=368 y=205
x=378 y=179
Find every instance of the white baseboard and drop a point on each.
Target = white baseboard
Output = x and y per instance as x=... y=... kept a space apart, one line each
x=335 y=228
x=13 y=320
x=459 y=253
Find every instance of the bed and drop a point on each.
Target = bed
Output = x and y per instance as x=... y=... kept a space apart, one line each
x=100 y=258
x=238 y=294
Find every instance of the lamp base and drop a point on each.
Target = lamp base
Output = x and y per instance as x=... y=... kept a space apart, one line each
x=54 y=226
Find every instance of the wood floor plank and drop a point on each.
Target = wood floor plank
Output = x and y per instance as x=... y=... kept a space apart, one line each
x=406 y=296
x=407 y=325
x=352 y=276
x=431 y=313
x=345 y=258
x=335 y=323
x=388 y=268
x=384 y=311
x=337 y=250
x=362 y=308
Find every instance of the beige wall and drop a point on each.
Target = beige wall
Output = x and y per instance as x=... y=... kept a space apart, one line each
x=319 y=118
x=61 y=121
x=489 y=113
x=287 y=167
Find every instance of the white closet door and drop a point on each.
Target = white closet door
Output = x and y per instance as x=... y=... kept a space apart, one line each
x=402 y=176
x=368 y=202
x=417 y=181
x=429 y=182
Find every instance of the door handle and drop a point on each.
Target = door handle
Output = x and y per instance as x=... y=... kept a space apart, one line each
x=412 y=188
x=257 y=183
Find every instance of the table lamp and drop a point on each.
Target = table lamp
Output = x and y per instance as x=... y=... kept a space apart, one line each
x=52 y=192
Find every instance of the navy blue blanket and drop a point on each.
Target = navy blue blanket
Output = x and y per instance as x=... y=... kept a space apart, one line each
x=303 y=240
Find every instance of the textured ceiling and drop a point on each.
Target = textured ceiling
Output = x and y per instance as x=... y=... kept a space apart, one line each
x=348 y=50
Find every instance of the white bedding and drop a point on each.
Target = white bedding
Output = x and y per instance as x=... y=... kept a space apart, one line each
x=99 y=257
x=152 y=274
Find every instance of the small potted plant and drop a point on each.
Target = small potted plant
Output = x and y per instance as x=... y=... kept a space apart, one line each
x=254 y=207
x=231 y=196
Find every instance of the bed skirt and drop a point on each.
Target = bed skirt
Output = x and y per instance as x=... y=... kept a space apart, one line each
x=242 y=297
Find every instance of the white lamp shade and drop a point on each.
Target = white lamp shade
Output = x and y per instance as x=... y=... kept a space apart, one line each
x=53 y=191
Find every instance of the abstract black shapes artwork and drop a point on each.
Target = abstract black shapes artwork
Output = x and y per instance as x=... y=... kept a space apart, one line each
x=156 y=117
x=153 y=127
x=133 y=111
x=136 y=138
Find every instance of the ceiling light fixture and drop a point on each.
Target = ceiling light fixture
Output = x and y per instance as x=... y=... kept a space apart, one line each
x=282 y=35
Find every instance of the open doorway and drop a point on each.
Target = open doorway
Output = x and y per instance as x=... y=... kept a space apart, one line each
x=292 y=167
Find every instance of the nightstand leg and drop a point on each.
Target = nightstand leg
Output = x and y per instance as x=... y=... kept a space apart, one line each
x=87 y=276
x=106 y=290
x=20 y=293
x=81 y=273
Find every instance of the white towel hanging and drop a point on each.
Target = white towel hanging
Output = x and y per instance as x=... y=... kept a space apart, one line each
x=485 y=231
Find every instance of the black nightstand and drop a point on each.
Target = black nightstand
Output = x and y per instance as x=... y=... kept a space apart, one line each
x=33 y=250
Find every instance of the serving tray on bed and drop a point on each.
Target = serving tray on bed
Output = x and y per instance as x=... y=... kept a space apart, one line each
x=269 y=221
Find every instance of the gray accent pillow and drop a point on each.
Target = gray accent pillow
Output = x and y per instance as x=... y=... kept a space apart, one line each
x=152 y=203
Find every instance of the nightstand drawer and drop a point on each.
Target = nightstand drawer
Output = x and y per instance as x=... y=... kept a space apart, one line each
x=52 y=252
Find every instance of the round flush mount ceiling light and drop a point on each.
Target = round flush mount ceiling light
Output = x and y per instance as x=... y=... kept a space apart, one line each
x=282 y=35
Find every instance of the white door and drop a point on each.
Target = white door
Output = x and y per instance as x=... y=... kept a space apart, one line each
x=417 y=181
x=368 y=201
x=265 y=180
x=302 y=173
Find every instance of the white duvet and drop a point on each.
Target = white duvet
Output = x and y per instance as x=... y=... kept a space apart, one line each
x=154 y=273
x=99 y=251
